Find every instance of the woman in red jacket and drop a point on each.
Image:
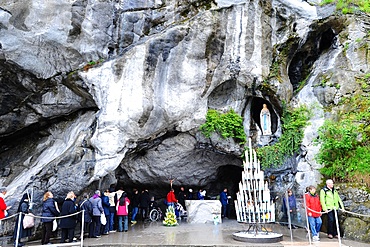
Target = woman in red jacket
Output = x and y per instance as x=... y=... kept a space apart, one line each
x=313 y=209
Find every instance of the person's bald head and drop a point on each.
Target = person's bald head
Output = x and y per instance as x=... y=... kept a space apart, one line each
x=330 y=183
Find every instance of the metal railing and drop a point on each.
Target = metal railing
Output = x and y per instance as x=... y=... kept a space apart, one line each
x=303 y=221
x=19 y=223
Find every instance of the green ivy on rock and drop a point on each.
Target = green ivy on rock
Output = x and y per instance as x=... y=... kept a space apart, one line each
x=228 y=125
x=345 y=140
x=293 y=123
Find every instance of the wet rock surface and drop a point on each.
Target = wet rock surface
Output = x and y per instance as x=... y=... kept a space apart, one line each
x=100 y=93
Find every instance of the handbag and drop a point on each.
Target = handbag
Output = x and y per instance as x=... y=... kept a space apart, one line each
x=103 y=220
x=55 y=225
x=28 y=221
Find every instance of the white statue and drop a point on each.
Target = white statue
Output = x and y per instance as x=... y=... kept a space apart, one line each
x=265 y=120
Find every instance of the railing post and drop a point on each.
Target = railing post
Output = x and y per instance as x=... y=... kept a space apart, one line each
x=307 y=222
x=18 y=228
x=288 y=214
x=337 y=225
x=82 y=228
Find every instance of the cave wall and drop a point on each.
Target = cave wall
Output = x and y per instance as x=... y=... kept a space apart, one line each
x=102 y=93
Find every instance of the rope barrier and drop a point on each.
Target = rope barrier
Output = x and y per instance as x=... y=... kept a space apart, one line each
x=322 y=212
x=9 y=217
x=19 y=223
x=56 y=217
x=349 y=212
x=343 y=210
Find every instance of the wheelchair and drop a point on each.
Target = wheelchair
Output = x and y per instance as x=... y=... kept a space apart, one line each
x=155 y=214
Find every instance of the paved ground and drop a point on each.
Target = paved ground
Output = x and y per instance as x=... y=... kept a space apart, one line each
x=186 y=234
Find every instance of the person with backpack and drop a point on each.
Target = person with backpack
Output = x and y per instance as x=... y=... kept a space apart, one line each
x=313 y=210
x=86 y=205
x=330 y=200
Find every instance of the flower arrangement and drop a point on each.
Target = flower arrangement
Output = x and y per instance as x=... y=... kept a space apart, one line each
x=170 y=218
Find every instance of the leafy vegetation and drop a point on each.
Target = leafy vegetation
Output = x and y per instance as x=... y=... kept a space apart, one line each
x=227 y=124
x=350 y=6
x=345 y=141
x=293 y=123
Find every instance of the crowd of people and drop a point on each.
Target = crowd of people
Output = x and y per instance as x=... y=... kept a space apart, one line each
x=104 y=213
x=109 y=211
x=326 y=201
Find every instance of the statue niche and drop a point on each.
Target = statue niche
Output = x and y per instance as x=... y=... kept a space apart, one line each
x=265 y=120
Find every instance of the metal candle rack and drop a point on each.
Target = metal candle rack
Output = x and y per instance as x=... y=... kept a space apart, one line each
x=253 y=204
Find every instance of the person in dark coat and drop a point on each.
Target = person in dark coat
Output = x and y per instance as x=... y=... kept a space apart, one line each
x=106 y=205
x=86 y=205
x=49 y=210
x=135 y=205
x=144 y=203
x=181 y=197
x=292 y=205
x=224 y=199
x=68 y=224
x=24 y=209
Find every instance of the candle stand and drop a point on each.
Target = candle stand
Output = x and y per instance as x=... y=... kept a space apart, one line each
x=254 y=205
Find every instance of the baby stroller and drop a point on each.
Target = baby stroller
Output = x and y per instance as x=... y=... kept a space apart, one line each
x=180 y=211
x=155 y=212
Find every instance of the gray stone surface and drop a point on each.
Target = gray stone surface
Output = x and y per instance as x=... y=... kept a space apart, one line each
x=95 y=93
x=185 y=234
x=203 y=211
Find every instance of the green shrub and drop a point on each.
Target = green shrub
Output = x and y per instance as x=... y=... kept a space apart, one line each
x=345 y=141
x=293 y=123
x=349 y=6
x=228 y=125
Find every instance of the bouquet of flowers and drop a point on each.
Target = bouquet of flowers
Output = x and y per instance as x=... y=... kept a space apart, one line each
x=170 y=218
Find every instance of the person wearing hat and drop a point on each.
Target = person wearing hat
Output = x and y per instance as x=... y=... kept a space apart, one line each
x=190 y=195
x=23 y=207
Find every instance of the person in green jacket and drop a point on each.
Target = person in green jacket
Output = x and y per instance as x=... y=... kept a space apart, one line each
x=330 y=200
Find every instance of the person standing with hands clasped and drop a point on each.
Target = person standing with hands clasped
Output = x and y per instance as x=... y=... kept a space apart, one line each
x=313 y=209
x=330 y=200
x=68 y=223
x=49 y=210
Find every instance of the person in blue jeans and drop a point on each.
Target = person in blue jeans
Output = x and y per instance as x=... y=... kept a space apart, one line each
x=106 y=206
x=313 y=209
x=112 y=209
x=135 y=201
x=122 y=212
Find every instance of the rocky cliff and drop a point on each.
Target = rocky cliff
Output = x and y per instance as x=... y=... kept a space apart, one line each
x=95 y=93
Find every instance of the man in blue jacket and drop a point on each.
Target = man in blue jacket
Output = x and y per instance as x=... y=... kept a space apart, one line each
x=224 y=198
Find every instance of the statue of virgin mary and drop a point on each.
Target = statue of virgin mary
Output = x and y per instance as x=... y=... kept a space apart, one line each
x=265 y=120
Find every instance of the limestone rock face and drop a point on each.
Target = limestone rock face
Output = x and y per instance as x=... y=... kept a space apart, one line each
x=95 y=93
x=203 y=211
